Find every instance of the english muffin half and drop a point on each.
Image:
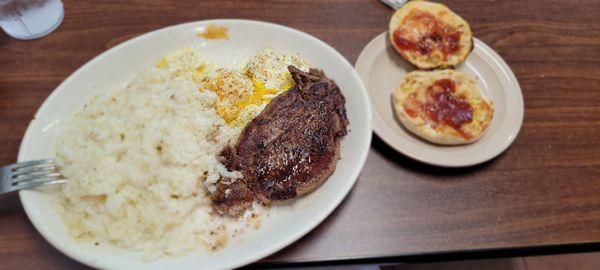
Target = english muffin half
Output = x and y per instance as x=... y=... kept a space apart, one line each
x=429 y=35
x=443 y=106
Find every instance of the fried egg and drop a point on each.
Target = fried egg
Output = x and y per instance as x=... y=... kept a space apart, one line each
x=243 y=94
x=269 y=70
x=443 y=106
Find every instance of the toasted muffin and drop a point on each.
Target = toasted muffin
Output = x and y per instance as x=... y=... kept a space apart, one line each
x=429 y=35
x=442 y=106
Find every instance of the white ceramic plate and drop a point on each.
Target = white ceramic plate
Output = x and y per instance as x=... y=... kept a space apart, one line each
x=284 y=225
x=382 y=69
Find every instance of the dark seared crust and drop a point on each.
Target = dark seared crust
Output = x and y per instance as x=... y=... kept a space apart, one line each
x=234 y=202
x=290 y=149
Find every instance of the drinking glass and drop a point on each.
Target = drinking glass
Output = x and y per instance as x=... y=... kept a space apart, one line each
x=30 y=19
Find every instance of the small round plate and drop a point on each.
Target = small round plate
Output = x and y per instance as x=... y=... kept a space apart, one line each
x=381 y=69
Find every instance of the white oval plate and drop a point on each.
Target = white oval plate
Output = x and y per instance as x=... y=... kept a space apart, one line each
x=284 y=225
x=382 y=69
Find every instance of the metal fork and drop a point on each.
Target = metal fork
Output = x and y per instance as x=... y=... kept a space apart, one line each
x=395 y=4
x=29 y=174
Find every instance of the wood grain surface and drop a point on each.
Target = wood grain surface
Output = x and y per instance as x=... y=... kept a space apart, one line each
x=544 y=190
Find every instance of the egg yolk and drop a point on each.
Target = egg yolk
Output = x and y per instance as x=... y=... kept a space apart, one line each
x=258 y=96
x=231 y=107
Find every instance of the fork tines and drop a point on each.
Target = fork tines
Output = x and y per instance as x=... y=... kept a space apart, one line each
x=35 y=173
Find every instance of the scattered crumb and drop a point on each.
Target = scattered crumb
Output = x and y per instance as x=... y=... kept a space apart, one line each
x=162 y=63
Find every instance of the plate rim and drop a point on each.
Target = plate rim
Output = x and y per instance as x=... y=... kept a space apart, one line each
x=70 y=252
x=490 y=55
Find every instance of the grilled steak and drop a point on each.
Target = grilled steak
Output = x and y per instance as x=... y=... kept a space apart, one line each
x=288 y=150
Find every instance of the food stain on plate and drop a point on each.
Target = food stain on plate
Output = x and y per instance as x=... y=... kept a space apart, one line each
x=213 y=31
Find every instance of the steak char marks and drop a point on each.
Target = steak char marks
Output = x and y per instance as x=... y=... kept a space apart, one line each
x=288 y=150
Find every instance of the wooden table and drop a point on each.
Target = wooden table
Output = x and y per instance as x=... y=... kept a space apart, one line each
x=543 y=191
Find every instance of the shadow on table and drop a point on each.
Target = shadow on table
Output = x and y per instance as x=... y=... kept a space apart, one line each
x=279 y=258
x=413 y=165
x=3 y=38
x=487 y=264
x=24 y=236
x=9 y=203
